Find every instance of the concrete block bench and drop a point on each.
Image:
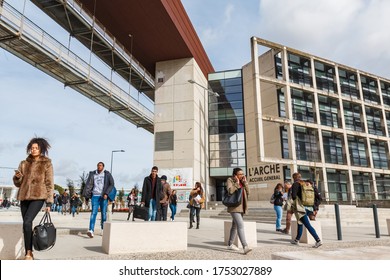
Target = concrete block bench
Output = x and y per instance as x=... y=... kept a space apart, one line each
x=11 y=240
x=250 y=234
x=388 y=225
x=144 y=237
x=306 y=236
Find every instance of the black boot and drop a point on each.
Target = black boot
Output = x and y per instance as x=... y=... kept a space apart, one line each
x=197 y=225
x=191 y=226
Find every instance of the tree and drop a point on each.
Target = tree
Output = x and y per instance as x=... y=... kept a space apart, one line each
x=59 y=188
x=121 y=194
x=70 y=185
x=83 y=181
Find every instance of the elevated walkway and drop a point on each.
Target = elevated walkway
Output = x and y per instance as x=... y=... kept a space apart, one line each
x=27 y=41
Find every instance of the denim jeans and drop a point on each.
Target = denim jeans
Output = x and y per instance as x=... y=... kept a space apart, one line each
x=59 y=209
x=98 y=201
x=279 y=214
x=306 y=223
x=74 y=209
x=152 y=209
x=173 y=211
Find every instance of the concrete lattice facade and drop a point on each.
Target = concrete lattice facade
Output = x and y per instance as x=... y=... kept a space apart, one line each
x=328 y=121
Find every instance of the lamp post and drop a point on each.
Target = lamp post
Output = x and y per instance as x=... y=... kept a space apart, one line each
x=205 y=148
x=112 y=156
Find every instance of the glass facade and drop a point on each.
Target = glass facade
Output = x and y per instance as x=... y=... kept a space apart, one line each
x=306 y=143
x=333 y=147
x=302 y=106
x=353 y=116
x=385 y=89
x=337 y=184
x=299 y=70
x=374 y=121
x=348 y=84
x=361 y=183
x=383 y=185
x=329 y=111
x=370 y=89
x=379 y=154
x=325 y=77
x=226 y=123
x=357 y=151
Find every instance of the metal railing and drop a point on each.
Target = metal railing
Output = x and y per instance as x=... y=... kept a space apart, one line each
x=29 y=31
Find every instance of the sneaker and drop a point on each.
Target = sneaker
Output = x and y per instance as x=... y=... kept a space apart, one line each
x=279 y=230
x=295 y=242
x=318 y=244
x=90 y=233
x=232 y=247
x=247 y=249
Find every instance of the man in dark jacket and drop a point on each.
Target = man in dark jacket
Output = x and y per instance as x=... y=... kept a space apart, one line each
x=97 y=187
x=151 y=190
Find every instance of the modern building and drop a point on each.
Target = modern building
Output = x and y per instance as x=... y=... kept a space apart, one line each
x=285 y=111
x=328 y=121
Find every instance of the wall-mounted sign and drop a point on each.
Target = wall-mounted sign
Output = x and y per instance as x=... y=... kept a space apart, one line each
x=178 y=177
x=264 y=173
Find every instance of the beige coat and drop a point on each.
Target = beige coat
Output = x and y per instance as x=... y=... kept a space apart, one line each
x=231 y=187
x=37 y=181
x=193 y=194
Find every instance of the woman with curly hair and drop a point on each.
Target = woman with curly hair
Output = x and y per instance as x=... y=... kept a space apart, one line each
x=34 y=178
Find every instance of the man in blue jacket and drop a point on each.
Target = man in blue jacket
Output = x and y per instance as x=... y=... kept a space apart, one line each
x=98 y=185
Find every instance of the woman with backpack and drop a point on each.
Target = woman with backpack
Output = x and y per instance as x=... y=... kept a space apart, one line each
x=303 y=201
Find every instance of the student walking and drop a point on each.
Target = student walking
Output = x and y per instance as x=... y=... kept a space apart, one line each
x=196 y=203
x=278 y=206
x=303 y=197
x=97 y=187
x=34 y=178
x=236 y=182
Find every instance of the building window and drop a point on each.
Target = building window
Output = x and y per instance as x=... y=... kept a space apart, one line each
x=388 y=120
x=361 y=184
x=357 y=151
x=299 y=70
x=370 y=89
x=385 y=89
x=278 y=66
x=306 y=140
x=337 y=184
x=379 y=155
x=284 y=136
x=164 y=141
x=374 y=121
x=383 y=185
x=325 y=77
x=353 y=116
x=333 y=147
x=328 y=111
x=348 y=84
x=282 y=103
x=302 y=106
x=226 y=123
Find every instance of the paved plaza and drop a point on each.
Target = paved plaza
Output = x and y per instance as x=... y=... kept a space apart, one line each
x=358 y=242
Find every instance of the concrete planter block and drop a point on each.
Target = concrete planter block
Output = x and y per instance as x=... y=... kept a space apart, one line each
x=250 y=234
x=11 y=241
x=147 y=237
x=306 y=236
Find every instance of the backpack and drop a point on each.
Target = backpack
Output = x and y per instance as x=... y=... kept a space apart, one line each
x=308 y=195
x=272 y=199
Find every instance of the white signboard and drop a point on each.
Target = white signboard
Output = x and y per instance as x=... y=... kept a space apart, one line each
x=264 y=173
x=179 y=178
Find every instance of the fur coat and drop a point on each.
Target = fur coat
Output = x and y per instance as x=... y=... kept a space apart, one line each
x=37 y=181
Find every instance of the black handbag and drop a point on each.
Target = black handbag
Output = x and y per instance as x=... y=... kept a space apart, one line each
x=44 y=234
x=234 y=199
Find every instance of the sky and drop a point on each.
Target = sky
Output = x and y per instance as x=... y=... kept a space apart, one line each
x=81 y=133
